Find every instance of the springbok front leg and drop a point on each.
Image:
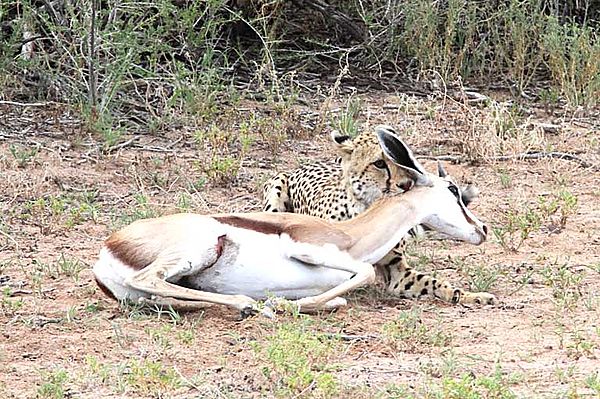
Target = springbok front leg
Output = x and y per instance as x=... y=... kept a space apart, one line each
x=331 y=257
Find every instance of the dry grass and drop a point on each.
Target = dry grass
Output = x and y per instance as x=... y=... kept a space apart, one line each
x=62 y=338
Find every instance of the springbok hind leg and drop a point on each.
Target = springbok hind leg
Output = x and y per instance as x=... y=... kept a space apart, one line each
x=150 y=280
x=154 y=279
x=186 y=306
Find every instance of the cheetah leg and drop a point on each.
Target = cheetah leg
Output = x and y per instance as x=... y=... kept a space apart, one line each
x=276 y=194
x=404 y=281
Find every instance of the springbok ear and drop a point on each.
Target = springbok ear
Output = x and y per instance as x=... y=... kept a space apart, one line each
x=441 y=170
x=401 y=155
x=342 y=142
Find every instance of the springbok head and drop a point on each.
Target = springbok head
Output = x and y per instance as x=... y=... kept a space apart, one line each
x=442 y=200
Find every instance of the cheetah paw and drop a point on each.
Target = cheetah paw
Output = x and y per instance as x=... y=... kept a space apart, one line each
x=479 y=298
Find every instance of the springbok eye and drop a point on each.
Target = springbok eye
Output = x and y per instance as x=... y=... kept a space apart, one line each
x=453 y=190
x=380 y=164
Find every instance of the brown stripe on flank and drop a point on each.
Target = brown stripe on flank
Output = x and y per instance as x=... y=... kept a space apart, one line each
x=127 y=251
x=315 y=231
x=251 y=224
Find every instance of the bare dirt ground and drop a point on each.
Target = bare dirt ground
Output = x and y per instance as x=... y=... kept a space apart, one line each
x=61 y=337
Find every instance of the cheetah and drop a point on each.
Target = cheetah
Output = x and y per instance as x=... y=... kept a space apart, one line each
x=343 y=189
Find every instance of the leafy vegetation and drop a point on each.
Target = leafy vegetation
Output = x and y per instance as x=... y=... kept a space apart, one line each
x=298 y=360
x=53 y=385
x=408 y=331
x=163 y=59
x=550 y=212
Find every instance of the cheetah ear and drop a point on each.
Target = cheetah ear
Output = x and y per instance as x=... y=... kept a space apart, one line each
x=342 y=142
x=399 y=153
x=469 y=193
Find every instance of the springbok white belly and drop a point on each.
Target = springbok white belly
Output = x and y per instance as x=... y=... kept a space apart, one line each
x=269 y=276
x=264 y=269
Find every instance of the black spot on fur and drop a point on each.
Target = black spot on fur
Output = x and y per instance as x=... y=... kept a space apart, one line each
x=341 y=139
x=394 y=260
x=456 y=296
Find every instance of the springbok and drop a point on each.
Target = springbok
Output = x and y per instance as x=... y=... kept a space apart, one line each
x=192 y=260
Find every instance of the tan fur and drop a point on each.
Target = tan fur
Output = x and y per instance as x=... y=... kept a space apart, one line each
x=135 y=245
x=303 y=229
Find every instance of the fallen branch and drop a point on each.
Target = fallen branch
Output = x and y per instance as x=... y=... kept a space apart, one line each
x=11 y=239
x=348 y=337
x=519 y=157
x=123 y=144
x=41 y=321
x=25 y=104
x=448 y=158
x=152 y=149
x=545 y=155
x=19 y=292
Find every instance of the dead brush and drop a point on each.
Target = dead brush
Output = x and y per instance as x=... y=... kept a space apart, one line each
x=574 y=61
x=489 y=135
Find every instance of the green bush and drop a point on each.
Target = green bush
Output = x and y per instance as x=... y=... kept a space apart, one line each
x=162 y=59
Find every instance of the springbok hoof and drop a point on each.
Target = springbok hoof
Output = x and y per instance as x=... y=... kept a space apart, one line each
x=278 y=304
x=336 y=303
x=253 y=310
x=268 y=312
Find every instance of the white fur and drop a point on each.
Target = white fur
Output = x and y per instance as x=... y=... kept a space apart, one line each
x=265 y=267
x=113 y=273
x=446 y=215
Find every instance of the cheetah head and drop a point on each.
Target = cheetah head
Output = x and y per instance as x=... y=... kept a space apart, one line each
x=367 y=172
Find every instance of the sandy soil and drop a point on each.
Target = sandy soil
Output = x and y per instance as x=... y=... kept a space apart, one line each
x=61 y=337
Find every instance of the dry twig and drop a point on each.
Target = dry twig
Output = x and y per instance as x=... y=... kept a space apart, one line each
x=519 y=157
